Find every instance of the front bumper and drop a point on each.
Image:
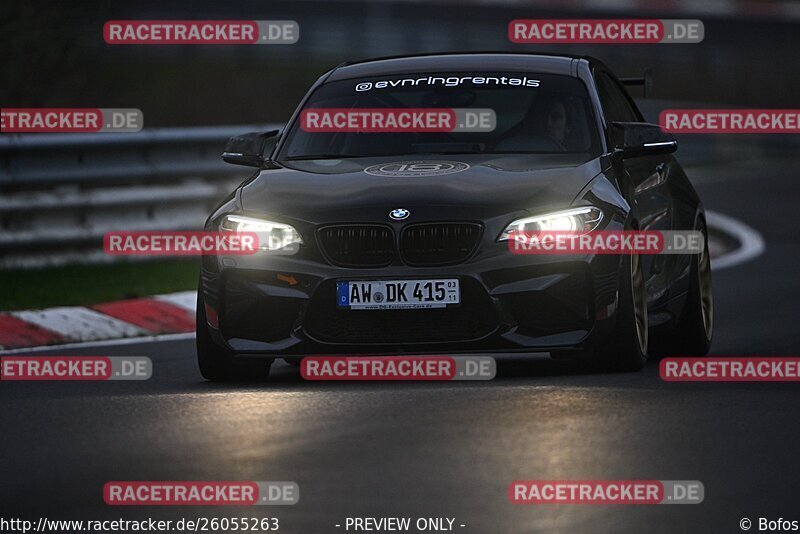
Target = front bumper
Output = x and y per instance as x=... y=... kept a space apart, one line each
x=283 y=305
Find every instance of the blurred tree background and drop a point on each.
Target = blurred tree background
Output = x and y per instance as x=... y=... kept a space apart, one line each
x=54 y=54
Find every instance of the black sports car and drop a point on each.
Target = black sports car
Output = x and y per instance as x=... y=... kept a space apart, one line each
x=396 y=242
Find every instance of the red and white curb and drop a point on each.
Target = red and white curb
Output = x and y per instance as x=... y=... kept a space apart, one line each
x=135 y=318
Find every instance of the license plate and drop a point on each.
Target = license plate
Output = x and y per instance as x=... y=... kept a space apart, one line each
x=397 y=294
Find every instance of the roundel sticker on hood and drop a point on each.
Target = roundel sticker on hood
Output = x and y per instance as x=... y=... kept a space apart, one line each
x=416 y=168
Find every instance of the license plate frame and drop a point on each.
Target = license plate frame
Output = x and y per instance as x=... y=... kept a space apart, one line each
x=417 y=294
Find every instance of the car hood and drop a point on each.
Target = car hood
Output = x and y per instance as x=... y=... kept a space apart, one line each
x=464 y=187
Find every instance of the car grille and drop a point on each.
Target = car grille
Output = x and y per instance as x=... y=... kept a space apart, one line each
x=420 y=244
x=357 y=246
x=438 y=243
x=473 y=319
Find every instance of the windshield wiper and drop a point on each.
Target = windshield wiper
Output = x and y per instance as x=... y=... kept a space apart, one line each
x=450 y=152
x=325 y=156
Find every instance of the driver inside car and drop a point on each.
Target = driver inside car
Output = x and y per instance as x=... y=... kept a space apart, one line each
x=546 y=127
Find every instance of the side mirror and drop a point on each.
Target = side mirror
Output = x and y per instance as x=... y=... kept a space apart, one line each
x=633 y=139
x=250 y=148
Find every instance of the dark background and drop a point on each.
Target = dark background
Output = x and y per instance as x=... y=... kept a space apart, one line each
x=54 y=54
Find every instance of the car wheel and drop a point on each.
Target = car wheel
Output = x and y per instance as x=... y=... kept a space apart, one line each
x=217 y=364
x=626 y=347
x=695 y=327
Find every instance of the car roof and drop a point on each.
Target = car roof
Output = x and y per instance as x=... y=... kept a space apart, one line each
x=564 y=64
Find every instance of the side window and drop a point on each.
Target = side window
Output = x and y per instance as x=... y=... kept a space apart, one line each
x=615 y=104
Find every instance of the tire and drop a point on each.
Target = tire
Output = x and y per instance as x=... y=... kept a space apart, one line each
x=215 y=363
x=625 y=349
x=694 y=330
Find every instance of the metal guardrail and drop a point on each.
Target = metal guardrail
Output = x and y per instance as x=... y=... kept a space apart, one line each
x=28 y=160
x=60 y=193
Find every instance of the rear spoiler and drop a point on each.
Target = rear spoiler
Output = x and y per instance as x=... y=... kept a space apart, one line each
x=646 y=81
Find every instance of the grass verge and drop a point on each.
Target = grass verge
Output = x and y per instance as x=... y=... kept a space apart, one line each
x=80 y=285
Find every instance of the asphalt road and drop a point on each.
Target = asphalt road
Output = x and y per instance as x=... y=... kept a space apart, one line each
x=446 y=449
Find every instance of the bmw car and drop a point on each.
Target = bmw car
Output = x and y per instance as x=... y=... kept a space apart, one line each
x=396 y=242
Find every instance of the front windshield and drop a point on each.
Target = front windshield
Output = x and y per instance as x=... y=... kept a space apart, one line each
x=532 y=114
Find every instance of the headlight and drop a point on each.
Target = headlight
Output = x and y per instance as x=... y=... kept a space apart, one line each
x=272 y=236
x=577 y=220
